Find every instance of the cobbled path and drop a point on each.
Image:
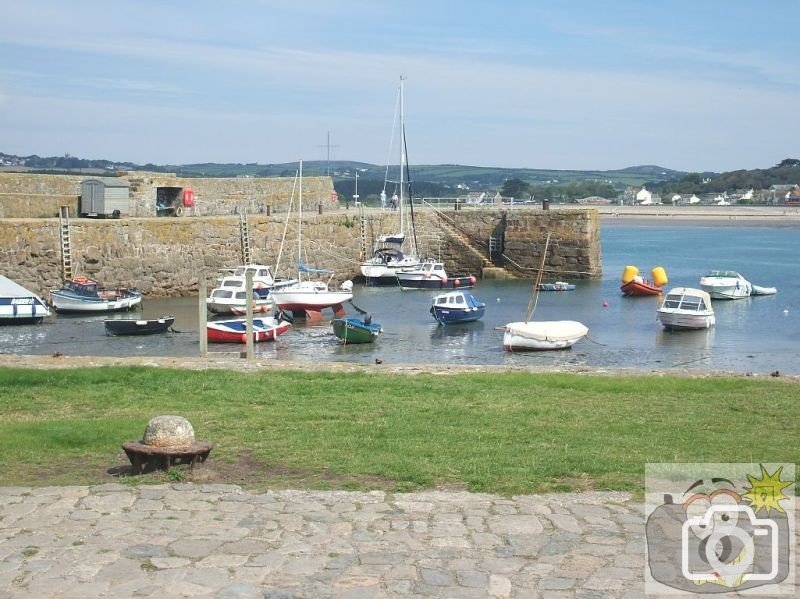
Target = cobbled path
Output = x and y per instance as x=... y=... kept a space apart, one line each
x=186 y=540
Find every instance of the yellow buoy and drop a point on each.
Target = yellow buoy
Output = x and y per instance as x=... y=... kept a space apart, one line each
x=659 y=276
x=629 y=273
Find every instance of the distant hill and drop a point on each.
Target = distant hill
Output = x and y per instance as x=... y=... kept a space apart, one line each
x=442 y=174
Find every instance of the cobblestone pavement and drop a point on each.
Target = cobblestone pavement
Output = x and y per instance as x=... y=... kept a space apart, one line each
x=215 y=540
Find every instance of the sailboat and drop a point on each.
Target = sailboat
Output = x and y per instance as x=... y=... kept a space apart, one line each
x=388 y=256
x=532 y=335
x=308 y=297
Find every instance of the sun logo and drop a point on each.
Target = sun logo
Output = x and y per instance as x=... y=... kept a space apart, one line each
x=767 y=492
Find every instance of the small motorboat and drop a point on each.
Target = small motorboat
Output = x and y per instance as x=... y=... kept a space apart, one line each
x=231 y=294
x=352 y=329
x=686 y=308
x=432 y=275
x=725 y=284
x=132 y=326
x=456 y=307
x=83 y=294
x=235 y=330
x=557 y=286
x=20 y=306
x=634 y=285
x=729 y=284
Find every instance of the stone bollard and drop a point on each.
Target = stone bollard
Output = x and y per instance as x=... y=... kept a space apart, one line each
x=167 y=440
x=168 y=431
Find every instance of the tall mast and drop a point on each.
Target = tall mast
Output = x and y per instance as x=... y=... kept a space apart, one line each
x=300 y=224
x=402 y=154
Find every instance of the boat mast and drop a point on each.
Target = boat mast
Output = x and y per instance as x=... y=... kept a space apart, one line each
x=534 y=299
x=402 y=154
x=300 y=224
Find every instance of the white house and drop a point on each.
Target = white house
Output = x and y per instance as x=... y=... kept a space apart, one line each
x=644 y=197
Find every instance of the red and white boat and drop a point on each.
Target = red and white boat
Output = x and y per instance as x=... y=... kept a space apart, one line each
x=235 y=331
x=308 y=297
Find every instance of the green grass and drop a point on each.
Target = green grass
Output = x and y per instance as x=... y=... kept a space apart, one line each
x=500 y=432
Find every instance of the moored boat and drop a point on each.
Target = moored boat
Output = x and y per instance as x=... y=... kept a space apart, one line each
x=542 y=335
x=20 y=306
x=557 y=286
x=352 y=329
x=82 y=294
x=308 y=297
x=388 y=256
x=686 y=308
x=235 y=330
x=531 y=335
x=725 y=284
x=432 y=275
x=231 y=296
x=634 y=285
x=455 y=307
x=639 y=287
x=132 y=326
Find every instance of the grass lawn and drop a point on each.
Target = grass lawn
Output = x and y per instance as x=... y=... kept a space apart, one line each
x=502 y=433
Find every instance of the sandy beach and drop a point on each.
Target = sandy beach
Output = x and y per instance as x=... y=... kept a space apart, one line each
x=701 y=216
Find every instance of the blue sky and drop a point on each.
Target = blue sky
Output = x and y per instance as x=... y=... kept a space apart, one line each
x=701 y=85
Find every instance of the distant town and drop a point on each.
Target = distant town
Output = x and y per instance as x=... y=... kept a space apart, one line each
x=636 y=185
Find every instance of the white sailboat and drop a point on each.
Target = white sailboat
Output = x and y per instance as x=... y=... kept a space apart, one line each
x=388 y=257
x=532 y=335
x=308 y=297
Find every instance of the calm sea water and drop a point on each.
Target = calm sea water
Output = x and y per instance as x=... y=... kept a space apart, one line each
x=759 y=334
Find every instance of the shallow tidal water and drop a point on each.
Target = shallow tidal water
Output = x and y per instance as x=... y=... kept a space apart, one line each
x=758 y=334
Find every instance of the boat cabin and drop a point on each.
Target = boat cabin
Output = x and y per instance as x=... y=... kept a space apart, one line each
x=456 y=299
x=690 y=302
x=86 y=287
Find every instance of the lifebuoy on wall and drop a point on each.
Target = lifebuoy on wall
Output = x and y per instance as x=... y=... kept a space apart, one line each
x=188 y=198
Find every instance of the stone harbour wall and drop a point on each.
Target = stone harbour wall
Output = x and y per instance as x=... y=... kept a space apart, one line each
x=24 y=195
x=166 y=256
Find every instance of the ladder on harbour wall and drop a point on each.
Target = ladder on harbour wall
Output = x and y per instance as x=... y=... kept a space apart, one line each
x=362 y=226
x=244 y=235
x=495 y=248
x=66 y=245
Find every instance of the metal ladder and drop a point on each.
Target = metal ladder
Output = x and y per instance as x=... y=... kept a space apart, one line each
x=66 y=245
x=244 y=234
x=495 y=247
x=362 y=227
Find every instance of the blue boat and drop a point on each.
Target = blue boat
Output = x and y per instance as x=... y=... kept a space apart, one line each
x=455 y=307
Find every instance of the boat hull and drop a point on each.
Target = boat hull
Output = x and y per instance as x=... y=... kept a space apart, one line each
x=354 y=330
x=381 y=273
x=457 y=316
x=639 y=289
x=542 y=335
x=22 y=310
x=730 y=287
x=131 y=326
x=678 y=321
x=417 y=282
x=310 y=298
x=64 y=303
x=235 y=331
x=557 y=286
